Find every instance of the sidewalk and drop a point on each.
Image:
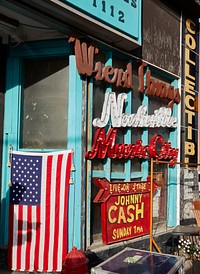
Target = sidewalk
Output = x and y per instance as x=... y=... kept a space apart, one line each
x=190 y=268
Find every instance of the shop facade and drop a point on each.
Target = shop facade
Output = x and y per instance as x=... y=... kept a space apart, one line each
x=108 y=84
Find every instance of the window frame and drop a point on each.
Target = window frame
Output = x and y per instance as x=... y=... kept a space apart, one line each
x=127 y=175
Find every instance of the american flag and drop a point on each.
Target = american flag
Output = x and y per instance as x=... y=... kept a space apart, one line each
x=38 y=210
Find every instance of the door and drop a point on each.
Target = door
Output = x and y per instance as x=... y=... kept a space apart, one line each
x=39 y=109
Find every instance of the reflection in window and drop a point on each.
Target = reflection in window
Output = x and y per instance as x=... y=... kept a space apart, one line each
x=118 y=164
x=45 y=104
x=113 y=169
x=160 y=170
x=98 y=96
x=136 y=133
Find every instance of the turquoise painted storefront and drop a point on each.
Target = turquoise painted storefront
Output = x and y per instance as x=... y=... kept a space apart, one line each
x=85 y=97
x=47 y=49
x=76 y=98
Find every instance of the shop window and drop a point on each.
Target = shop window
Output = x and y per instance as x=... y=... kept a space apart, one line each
x=114 y=169
x=45 y=103
x=160 y=170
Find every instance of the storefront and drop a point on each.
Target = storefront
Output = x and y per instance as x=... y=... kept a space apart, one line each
x=99 y=91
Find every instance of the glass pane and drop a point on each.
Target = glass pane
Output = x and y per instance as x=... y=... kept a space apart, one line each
x=96 y=215
x=136 y=132
x=99 y=90
x=118 y=164
x=156 y=103
x=160 y=173
x=98 y=99
x=45 y=103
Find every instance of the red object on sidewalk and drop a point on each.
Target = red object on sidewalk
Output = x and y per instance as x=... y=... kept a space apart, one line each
x=75 y=262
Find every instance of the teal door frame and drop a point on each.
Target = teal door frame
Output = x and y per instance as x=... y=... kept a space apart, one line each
x=11 y=133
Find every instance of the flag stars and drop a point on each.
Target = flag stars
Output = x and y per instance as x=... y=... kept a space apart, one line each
x=26 y=178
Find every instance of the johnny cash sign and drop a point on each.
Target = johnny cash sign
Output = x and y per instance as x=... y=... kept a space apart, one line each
x=124 y=209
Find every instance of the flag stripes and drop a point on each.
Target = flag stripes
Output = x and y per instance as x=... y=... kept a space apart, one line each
x=38 y=224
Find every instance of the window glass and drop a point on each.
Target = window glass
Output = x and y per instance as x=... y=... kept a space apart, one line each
x=117 y=165
x=136 y=133
x=113 y=168
x=99 y=89
x=160 y=170
x=45 y=104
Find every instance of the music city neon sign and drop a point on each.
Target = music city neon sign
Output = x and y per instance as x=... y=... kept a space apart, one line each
x=105 y=146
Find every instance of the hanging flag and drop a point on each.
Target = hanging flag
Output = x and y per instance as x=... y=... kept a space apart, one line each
x=38 y=210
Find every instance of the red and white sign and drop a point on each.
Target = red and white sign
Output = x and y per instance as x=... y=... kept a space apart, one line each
x=124 y=208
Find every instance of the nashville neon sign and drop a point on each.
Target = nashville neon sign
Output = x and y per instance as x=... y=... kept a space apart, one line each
x=113 y=109
x=105 y=146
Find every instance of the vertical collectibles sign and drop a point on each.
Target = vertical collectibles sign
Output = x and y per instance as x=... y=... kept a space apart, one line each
x=123 y=15
x=190 y=76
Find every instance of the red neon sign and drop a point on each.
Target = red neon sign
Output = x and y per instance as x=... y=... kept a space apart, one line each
x=104 y=146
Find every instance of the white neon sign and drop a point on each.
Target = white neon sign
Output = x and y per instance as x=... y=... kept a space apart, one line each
x=113 y=111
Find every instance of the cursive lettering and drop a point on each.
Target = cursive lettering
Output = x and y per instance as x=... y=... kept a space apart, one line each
x=113 y=110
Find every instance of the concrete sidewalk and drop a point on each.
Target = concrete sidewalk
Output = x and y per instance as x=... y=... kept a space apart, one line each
x=190 y=268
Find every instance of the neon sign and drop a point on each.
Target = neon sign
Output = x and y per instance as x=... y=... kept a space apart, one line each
x=105 y=146
x=120 y=77
x=113 y=109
